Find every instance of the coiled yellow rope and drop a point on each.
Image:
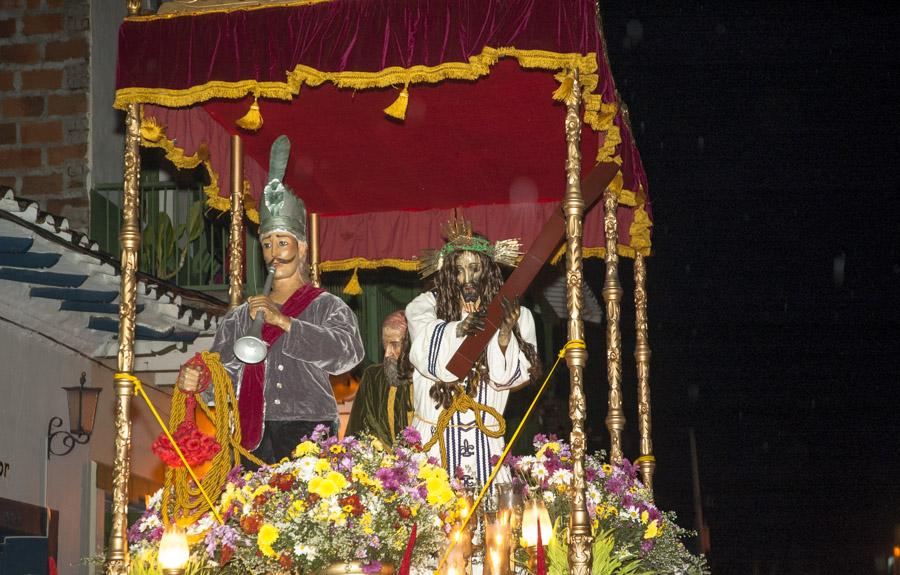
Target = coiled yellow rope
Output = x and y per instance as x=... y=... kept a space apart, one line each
x=189 y=505
x=192 y=499
x=463 y=402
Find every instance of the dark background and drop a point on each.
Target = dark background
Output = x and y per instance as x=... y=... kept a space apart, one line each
x=768 y=135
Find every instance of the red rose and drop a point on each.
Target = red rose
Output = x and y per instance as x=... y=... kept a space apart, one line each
x=227 y=554
x=286 y=561
x=404 y=511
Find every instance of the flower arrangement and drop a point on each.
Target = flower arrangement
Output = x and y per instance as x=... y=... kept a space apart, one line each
x=620 y=506
x=337 y=501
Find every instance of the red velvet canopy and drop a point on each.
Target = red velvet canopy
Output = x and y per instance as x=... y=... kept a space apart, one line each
x=481 y=130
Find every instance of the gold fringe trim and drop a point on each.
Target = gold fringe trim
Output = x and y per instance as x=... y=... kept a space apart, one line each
x=598 y=115
x=181 y=160
x=640 y=231
x=238 y=8
x=362 y=263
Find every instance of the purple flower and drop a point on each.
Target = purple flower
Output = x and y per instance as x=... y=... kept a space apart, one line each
x=629 y=468
x=615 y=485
x=321 y=431
x=411 y=436
x=646 y=546
x=590 y=475
x=236 y=476
x=388 y=478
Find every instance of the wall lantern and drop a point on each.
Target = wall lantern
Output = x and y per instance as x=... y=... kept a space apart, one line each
x=82 y=409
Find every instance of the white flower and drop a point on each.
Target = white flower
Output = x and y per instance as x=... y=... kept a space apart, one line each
x=151 y=522
x=304 y=549
x=306 y=467
x=549 y=496
x=540 y=472
x=155 y=499
x=630 y=513
x=561 y=477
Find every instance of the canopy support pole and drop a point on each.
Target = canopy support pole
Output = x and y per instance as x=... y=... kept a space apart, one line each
x=118 y=561
x=612 y=295
x=236 y=241
x=646 y=462
x=576 y=357
x=314 y=272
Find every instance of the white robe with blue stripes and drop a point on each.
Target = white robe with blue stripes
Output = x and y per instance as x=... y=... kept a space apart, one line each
x=434 y=341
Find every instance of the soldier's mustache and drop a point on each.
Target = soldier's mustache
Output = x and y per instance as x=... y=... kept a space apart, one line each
x=281 y=261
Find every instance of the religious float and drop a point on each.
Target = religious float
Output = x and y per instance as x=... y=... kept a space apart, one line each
x=399 y=113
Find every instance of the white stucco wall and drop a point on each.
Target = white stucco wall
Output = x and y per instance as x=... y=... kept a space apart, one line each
x=32 y=371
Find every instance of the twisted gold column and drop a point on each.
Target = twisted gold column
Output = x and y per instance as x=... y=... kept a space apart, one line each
x=576 y=358
x=642 y=357
x=236 y=240
x=117 y=560
x=612 y=295
x=314 y=272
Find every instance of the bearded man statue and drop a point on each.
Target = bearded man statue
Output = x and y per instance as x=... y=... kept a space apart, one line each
x=466 y=432
x=383 y=403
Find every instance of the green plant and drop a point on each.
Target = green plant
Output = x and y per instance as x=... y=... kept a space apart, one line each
x=160 y=241
x=605 y=561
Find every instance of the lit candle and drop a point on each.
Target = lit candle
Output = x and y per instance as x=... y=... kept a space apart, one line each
x=173 y=550
x=495 y=563
x=535 y=513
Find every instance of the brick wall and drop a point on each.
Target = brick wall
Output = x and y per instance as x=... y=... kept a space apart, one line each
x=44 y=85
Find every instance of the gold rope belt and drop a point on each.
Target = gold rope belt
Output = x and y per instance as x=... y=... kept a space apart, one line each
x=463 y=402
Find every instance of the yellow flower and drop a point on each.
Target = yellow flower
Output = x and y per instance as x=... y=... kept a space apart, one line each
x=652 y=530
x=331 y=484
x=268 y=534
x=552 y=446
x=336 y=448
x=297 y=507
x=644 y=517
x=377 y=445
x=259 y=490
x=366 y=522
x=322 y=465
x=439 y=492
x=306 y=448
x=607 y=469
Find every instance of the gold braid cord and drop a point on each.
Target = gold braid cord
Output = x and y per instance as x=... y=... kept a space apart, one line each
x=189 y=503
x=463 y=402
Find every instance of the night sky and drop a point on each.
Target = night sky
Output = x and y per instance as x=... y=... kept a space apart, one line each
x=768 y=136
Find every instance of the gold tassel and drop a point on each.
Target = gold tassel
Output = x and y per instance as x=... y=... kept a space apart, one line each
x=562 y=93
x=353 y=287
x=253 y=119
x=398 y=108
x=151 y=130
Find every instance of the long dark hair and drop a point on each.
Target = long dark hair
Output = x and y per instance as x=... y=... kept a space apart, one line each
x=448 y=308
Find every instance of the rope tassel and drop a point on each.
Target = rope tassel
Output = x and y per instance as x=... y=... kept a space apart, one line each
x=253 y=119
x=398 y=108
x=353 y=287
x=562 y=93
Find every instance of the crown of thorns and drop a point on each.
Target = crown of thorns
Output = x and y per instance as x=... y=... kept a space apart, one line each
x=461 y=239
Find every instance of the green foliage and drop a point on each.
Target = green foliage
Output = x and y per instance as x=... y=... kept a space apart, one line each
x=604 y=561
x=161 y=240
